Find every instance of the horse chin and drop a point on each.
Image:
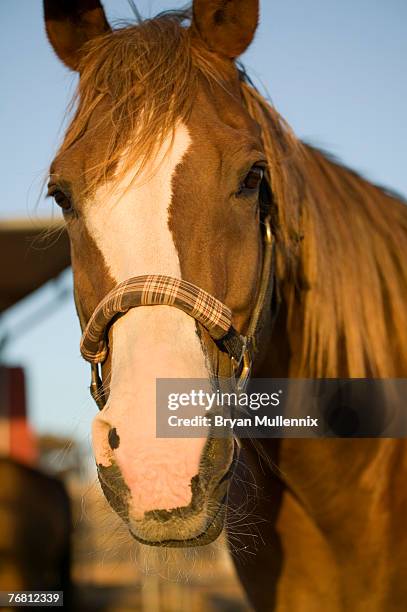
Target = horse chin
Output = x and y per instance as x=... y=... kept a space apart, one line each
x=181 y=527
x=209 y=535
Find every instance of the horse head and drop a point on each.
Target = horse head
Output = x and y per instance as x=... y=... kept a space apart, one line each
x=162 y=172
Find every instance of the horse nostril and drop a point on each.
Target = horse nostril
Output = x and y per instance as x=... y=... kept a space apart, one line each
x=113 y=438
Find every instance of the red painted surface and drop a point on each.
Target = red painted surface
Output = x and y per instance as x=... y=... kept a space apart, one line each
x=17 y=438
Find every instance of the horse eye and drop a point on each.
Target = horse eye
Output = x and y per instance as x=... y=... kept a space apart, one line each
x=252 y=180
x=62 y=200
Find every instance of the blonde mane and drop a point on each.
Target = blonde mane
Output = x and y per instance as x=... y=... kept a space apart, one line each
x=342 y=241
x=345 y=240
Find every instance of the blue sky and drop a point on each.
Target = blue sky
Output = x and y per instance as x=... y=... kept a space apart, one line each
x=335 y=70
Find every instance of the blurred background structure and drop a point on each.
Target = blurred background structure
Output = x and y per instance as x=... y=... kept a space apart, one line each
x=337 y=73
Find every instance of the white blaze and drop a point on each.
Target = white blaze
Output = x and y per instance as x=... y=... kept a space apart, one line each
x=130 y=222
x=130 y=227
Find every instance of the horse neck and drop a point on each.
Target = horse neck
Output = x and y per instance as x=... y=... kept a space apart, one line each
x=333 y=314
x=326 y=478
x=342 y=314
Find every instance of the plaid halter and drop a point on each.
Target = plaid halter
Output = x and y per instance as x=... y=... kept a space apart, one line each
x=153 y=290
x=213 y=315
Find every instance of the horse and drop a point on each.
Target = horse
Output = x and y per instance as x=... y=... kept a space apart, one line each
x=175 y=170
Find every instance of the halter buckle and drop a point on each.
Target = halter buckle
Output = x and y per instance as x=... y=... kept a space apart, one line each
x=268 y=234
x=242 y=368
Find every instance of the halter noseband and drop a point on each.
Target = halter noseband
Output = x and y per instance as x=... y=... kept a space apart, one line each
x=212 y=314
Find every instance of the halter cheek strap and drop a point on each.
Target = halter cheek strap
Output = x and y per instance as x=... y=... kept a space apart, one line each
x=151 y=290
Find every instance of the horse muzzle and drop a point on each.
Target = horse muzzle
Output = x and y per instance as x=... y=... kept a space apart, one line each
x=196 y=524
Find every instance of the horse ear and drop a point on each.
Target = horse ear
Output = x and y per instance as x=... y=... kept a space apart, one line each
x=226 y=26
x=70 y=24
